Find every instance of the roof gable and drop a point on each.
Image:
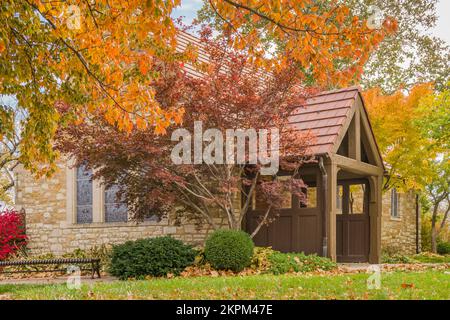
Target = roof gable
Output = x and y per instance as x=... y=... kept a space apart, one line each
x=329 y=116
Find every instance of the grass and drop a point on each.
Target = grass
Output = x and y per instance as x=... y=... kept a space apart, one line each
x=424 y=257
x=396 y=285
x=430 y=258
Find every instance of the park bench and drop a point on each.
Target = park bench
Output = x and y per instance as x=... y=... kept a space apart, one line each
x=94 y=265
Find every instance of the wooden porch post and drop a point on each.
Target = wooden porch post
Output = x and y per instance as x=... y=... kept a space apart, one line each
x=332 y=170
x=375 y=207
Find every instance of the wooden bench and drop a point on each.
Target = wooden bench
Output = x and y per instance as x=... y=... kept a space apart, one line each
x=94 y=265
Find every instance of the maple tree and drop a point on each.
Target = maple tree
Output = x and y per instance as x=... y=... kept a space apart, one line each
x=434 y=122
x=412 y=132
x=89 y=55
x=98 y=57
x=434 y=125
x=139 y=162
x=437 y=193
x=405 y=150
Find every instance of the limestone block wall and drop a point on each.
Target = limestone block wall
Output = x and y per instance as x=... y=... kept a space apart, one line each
x=50 y=231
x=399 y=234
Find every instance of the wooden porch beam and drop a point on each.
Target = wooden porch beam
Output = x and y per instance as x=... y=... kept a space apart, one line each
x=358 y=167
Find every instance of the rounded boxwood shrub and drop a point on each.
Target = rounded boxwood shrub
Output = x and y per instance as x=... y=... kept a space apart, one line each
x=443 y=248
x=150 y=257
x=229 y=250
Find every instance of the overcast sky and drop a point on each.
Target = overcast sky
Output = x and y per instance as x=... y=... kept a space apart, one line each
x=442 y=29
x=189 y=9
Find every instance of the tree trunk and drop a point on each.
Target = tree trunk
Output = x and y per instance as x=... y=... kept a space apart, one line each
x=433 y=229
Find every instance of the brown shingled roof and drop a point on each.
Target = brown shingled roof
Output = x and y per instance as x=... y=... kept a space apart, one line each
x=324 y=115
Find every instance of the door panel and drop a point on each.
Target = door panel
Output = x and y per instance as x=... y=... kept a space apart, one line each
x=339 y=237
x=295 y=228
x=352 y=226
x=307 y=232
x=281 y=233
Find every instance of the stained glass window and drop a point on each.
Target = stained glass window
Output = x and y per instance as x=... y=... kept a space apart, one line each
x=84 y=195
x=115 y=208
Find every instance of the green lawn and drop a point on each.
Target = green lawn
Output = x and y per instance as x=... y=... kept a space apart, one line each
x=431 y=258
x=398 y=285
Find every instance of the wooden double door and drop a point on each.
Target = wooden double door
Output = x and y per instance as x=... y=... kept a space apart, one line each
x=297 y=227
x=352 y=221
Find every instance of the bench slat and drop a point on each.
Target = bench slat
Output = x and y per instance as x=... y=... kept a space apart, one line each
x=48 y=261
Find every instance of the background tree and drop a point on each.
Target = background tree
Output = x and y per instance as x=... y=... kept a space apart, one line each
x=434 y=125
x=405 y=150
x=139 y=162
x=89 y=55
x=329 y=43
x=409 y=56
x=437 y=192
x=98 y=57
x=412 y=133
x=9 y=155
x=405 y=57
x=434 y=121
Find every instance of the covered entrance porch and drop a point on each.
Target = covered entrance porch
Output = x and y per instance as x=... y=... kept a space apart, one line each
x=341 y=217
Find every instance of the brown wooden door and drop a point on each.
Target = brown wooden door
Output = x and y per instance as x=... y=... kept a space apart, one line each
x=295 y=228
x=352 y=222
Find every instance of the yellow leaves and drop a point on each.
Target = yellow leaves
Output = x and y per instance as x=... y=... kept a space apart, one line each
x=394 y=120
x=2 y=46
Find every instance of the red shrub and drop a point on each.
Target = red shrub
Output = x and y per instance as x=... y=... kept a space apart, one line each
x=12 y=233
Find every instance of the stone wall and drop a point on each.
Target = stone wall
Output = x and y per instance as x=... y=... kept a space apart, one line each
x=399 y=234
x=49 y=229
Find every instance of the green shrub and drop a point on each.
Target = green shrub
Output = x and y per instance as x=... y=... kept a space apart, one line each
x=395 y=258
x=229 y=250
x=101 y=252
x=299 y=262
x=150 y=257
x=443 y=248
x=261 y=258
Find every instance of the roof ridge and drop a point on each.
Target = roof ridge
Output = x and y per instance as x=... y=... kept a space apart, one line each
x=329 y=92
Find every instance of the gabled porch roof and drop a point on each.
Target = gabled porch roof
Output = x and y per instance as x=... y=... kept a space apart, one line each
x=329 y=115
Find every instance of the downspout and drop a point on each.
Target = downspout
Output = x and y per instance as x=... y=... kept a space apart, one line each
x=417 y=224
x=324 y=207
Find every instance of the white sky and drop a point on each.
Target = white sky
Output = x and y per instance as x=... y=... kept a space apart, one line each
x=189 y=9
x=442 y=29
